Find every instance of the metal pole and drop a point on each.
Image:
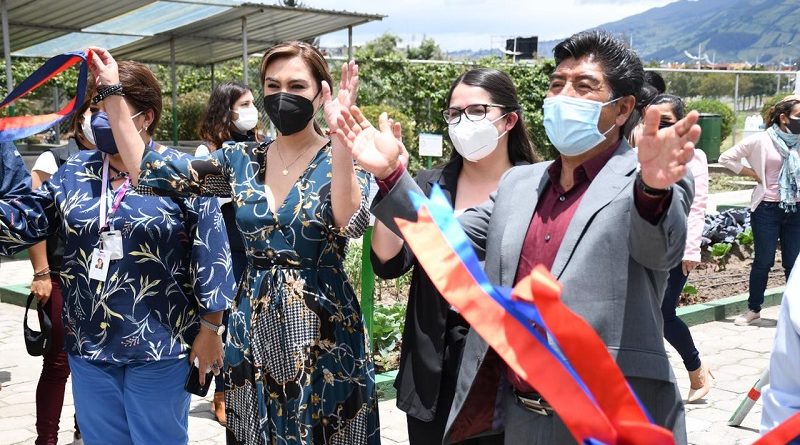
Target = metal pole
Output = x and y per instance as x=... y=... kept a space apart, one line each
x=349 y=43
x=515 y=50
x=6 y=46
x=174 y=82
x=245 y=73
x=778 y=88
x=367 y=285
x=213 y=77
x=735 y=106
x=56 y=107
x=797 y=83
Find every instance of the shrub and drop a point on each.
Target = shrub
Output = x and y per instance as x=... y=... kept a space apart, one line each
x=387 y=334
x=190 y=110
x=715 y=107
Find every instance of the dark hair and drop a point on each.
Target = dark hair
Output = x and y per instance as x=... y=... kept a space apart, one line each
x=655 y=79
x=310 y=55
x=784 y=106
x=675 y=102
x=502 y=91
x=646 y=96
x=622 y=68
x=142 y=90
x=215 y=126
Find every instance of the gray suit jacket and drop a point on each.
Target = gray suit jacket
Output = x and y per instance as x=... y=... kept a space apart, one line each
x=612 y=263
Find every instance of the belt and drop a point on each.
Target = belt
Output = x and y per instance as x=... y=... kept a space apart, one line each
x=287 y=259
x=266 y=259
x=533 y=402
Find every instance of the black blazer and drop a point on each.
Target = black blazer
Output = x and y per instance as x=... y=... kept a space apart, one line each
x=422 y=356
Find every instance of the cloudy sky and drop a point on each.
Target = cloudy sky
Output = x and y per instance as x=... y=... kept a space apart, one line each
x=472 y=24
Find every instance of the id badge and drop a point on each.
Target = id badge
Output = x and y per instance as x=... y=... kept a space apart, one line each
x=98 y=266
x=112 y=243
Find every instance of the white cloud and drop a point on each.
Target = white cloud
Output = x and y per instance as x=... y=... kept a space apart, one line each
x=469 y=24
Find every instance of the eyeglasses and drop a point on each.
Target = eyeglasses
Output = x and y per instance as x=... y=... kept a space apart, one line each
x=474 y=113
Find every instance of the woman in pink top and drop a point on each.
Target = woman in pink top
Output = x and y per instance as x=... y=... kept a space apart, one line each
x=775 y=164
x=675 y=330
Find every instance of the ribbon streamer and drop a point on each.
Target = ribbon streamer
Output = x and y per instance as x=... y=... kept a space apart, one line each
x=19 y=127
x=580 y=379
x=782 y=434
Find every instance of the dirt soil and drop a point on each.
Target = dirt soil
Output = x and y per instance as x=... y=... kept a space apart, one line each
x=713 y=282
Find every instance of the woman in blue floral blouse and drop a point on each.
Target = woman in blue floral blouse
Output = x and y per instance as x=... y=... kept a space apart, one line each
x=297 y=367
x=139 y=272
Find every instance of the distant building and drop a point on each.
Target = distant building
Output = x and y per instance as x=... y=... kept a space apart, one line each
x=525 y=48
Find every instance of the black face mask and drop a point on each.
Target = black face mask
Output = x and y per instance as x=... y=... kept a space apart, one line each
x=289 y=112
x=793 y=125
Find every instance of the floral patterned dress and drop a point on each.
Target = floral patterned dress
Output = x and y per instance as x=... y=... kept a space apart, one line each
x=298 y=369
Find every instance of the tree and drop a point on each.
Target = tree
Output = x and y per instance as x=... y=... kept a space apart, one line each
x=292 y=3
x=383 y=47
x=428 y=49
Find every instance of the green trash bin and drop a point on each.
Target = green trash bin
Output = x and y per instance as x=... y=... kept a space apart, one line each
x=710 y=138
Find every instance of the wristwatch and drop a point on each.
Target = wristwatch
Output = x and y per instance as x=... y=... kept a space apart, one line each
x=218 y=329
x=649 y=190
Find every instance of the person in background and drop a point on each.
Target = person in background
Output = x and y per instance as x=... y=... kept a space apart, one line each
x=484 y=119
x=46 y=258
x=230 y=115
x=297 y=364
x=134 y=326
x=654 y=79
x=775 y=164
x=607 y=221
x=676 y=332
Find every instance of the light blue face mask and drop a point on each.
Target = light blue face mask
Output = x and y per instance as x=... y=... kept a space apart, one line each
x=571 y=123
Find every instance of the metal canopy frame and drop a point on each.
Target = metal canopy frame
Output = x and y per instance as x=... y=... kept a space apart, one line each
x=187 y=32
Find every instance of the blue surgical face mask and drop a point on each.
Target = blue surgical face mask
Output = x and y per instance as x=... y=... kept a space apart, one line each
x=571 y=123
x=103 y=137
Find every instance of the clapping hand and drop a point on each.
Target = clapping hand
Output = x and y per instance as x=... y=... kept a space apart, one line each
x=378 y=151
x=663 y=154
x=346 y=97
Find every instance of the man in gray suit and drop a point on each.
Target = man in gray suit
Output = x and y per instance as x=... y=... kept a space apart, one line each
x=609 y=223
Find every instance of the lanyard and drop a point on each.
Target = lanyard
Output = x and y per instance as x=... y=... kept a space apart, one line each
x=118 y=196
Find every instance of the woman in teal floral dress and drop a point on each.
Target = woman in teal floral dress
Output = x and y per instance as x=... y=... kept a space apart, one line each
x=297 y=366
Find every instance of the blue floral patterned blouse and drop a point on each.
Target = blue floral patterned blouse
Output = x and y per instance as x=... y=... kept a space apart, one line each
x=176 y=264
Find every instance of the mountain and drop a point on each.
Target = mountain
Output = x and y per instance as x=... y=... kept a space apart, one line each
x=726 y=30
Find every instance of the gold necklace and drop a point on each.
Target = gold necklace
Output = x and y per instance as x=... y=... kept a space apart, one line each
x=286 y=168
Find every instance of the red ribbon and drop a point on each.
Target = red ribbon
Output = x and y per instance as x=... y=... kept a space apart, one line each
x=610 y=414
x=19 y=127
x=783 y=433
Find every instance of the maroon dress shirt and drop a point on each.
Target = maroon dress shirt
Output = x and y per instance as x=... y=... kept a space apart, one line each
x=555 y=210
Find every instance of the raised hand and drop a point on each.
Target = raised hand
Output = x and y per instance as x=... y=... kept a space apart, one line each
x=397 y=131
x=377 y=152
x=663 y=154
x=102 y=66
x=345 y=98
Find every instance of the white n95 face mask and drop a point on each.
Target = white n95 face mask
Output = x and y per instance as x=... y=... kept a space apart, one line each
x=475 y=140
x=248 y=118
x=571 y=123
x=86 y=128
